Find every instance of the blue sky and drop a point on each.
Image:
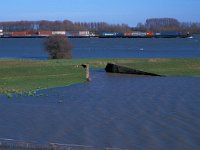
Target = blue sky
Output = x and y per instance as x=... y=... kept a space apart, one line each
x=112 y=11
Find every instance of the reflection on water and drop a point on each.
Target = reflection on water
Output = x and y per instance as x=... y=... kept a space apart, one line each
x=111 y=111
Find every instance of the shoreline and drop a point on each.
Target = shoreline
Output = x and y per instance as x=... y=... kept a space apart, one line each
x=21 y=76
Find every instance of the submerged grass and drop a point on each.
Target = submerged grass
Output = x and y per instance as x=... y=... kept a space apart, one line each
x=17 y=76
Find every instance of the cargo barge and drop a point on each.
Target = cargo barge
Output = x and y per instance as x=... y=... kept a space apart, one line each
x=88 y=34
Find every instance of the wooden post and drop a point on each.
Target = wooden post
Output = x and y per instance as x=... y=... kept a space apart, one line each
x=88 y=72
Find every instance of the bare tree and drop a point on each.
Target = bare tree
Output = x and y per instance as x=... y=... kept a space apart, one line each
x=58 y=47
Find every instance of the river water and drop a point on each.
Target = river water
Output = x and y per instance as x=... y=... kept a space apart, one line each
x=118 y=111
x=33 y=48
x=121 y=111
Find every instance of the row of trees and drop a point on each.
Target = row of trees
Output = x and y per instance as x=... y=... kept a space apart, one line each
x=168 y=24
x=65 y=25
x=153 y=24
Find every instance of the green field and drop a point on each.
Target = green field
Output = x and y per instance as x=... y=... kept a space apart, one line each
x=17 y=76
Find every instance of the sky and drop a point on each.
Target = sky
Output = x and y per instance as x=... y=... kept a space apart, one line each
x=129 y=12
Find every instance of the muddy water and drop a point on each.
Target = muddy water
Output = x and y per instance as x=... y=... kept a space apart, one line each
x=111 y=111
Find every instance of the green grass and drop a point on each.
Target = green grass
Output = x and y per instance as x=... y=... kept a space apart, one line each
x=17 y=76
x=167 y=67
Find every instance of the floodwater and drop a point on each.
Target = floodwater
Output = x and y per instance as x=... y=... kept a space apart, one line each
x=117 y=111
x=33 y=48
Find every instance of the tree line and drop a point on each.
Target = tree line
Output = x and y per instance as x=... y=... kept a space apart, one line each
x=65 y=25
x=152 y=24
x=168 y=25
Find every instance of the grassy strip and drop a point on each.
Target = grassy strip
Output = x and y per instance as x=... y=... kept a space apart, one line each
x=18 y=76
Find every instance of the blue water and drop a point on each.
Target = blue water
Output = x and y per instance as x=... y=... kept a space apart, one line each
x=118 y=111
x=137 y=48
x=22 y=48
x=105 y=48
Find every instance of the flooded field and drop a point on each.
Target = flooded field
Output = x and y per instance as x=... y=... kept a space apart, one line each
x=117 y=111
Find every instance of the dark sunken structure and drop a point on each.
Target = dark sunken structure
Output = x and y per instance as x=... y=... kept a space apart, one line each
x=113 y=68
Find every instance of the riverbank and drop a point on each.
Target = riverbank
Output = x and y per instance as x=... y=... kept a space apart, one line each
x=17 y=76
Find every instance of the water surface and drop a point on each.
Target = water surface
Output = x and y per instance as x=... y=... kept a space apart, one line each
x=33 y=48
x=111 y=111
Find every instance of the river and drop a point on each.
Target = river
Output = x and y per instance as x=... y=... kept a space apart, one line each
x=33 y=48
